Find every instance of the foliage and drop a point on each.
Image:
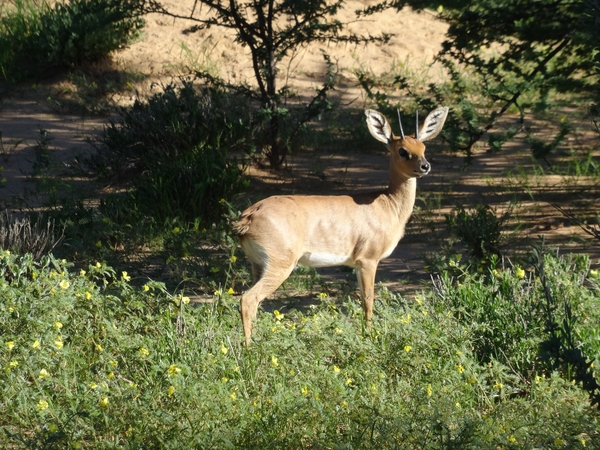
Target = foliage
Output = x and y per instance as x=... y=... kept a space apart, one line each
x=480 y=230
x=273 y=30
x=36 y=36
x=89 y=360
x=504 y=57
x=562 y=349
x=176 y=148
x=509 y=308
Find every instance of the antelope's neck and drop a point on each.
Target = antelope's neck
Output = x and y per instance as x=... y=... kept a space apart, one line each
x=401 y=194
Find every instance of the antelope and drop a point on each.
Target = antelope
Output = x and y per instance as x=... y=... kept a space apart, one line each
x=358 y=230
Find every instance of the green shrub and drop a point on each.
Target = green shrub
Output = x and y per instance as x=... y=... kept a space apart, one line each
x=511 y=316
x=36 y=36
x=479 y=229
x=176 y=148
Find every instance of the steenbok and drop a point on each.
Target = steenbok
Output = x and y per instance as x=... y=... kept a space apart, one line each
x=358 y=230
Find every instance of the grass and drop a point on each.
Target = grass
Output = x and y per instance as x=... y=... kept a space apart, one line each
x=91 y=360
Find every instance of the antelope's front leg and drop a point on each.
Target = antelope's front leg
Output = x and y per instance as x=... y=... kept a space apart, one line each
x=366 y=282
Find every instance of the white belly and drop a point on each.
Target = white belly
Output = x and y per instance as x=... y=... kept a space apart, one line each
x=316 y=259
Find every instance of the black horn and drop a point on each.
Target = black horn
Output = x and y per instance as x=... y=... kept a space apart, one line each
x=400 y=122
x=417 y=126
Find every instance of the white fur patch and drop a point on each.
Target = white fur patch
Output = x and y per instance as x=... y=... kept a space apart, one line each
x=255 y=252
x=325 y=260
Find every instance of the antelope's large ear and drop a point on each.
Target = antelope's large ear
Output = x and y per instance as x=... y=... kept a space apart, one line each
x=433 y=124
x=379 y=126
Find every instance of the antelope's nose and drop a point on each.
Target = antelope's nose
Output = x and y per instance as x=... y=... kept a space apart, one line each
x=425 y=167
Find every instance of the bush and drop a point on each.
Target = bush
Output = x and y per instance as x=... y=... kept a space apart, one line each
x=480 y=229
x=176 y=150
x=512 y=318
x=35 y=37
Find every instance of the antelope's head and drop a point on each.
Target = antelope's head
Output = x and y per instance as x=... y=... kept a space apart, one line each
x=407 y=152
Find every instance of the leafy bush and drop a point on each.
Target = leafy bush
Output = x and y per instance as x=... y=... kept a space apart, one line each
x=480 y=229
x=513 y=319
x=88 y=360
x=176 y=148
x=36 y=36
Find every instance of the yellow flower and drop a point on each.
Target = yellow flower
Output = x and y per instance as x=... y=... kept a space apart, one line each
x=512 y=439
x=230 y=291
x=43 y=374
x=58 y=325
x=405 y=319
x=559 y=441
x=59 y=342
x=111 y=375
x=99 y=347
x=92 y=385
x=98 y=265
x=185 y=300
x=349 y=381
x=173 y=371
x=13 y=364
x=88 y=295
x=593 y=274
x=146 y=288
x=42 y=405
x=99 y=245
x=344 y=403
x=407 y=348
x=278 y=315
x=176 y=230
x=304 y=390
x=125 y=276
x=224 y=349
x=520 y=273
x=457 y=404
x=10 y=345
x=64 y=284
x=104 y=402
x=429 y=390
x=460 y=368
x=498 y=385
x=82 y=273
x=144 y=351
x=113 y=363
x=322 y=296
x=224 y=380
x=274 y=361
x=336 y=369
x=171 y=391
x=233 y=259
x=232 y=396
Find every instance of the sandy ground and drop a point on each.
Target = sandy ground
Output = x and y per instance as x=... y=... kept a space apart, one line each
x=165 y=51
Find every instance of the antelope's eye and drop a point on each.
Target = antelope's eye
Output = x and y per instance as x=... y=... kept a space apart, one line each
x=403 y=153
